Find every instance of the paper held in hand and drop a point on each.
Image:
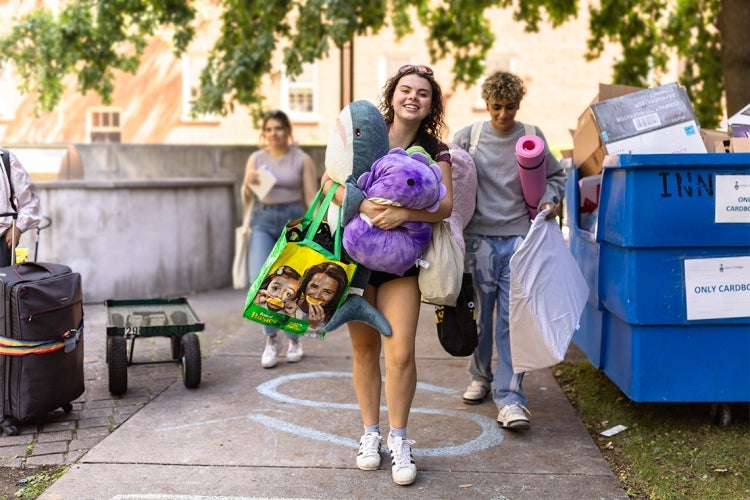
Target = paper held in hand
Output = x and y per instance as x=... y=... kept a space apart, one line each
x=267 y=181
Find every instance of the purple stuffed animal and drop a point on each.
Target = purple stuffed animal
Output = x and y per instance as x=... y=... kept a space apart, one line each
x=400 y=178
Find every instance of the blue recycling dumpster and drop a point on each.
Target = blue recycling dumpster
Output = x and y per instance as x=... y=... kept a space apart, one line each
x=668 y=265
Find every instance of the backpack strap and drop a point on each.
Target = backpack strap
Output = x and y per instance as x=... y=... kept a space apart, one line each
x=6 y=166
x=476 y=131
x=529 y=129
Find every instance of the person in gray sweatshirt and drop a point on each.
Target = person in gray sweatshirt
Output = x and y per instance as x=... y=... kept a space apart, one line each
x=497 y=228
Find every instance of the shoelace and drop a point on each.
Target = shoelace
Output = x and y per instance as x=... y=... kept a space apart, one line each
x=369 y=444
x=402 y=456
x=522 y=408
x=476 y=385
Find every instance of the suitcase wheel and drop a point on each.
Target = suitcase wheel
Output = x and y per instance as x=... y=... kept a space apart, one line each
x=8 y=427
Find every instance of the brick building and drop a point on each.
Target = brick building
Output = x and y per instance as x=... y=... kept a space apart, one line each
x=151 y=107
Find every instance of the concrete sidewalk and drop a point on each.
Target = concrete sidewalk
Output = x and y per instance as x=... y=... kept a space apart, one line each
x=292 y=431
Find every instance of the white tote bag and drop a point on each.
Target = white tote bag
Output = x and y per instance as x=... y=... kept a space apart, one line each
x=547 y=296
x=440 y=280
x=240 y=278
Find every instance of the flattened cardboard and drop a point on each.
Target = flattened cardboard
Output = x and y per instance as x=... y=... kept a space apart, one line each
x=632 y=120
x=643 y=111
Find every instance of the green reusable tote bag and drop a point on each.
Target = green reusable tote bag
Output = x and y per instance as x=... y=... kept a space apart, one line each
x=305 y=278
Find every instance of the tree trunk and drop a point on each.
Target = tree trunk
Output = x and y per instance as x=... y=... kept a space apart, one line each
x=734 y=20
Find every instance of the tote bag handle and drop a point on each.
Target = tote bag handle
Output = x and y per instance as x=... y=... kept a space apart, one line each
x=315 y=214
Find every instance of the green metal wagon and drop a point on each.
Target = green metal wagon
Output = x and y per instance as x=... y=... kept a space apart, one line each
x=131 y=319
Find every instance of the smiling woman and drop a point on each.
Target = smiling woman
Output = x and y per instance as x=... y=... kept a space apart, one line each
x=320 y=290
x=412 y=106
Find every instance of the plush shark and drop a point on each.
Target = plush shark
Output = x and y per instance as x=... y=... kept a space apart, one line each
x=358 y=138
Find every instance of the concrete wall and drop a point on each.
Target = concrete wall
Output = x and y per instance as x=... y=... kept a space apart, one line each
x=139 y=239
x=144 y=221
x=145 y=161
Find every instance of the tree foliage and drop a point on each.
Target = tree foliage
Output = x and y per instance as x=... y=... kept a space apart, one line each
x=651 y=32
x=93 y=39
x=90 y=39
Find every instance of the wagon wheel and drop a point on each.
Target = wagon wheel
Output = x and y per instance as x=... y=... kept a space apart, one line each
x=177 y=318
x=117 y=359
x=117 y=320
x=191 y=360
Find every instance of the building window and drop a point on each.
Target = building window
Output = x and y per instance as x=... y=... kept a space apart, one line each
x=192 y=66
x=492 y=64
x=104 y=125
x=299 y=95
x=389 y=65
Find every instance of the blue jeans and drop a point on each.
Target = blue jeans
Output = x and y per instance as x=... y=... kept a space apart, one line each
x=267 y=222
x=488 y=260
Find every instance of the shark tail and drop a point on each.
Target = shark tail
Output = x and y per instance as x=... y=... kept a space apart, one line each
x=356 y=308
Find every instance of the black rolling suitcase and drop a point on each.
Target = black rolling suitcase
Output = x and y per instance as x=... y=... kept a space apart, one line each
x=41 y=341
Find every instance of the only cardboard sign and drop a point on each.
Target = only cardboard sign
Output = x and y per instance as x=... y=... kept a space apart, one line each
x=717 y=287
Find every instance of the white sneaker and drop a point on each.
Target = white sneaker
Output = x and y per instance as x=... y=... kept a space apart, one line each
x=294 y=352
x=514 y=416
x=368 y=457
x=269 y=359
x=475 y=393
x=403 y=468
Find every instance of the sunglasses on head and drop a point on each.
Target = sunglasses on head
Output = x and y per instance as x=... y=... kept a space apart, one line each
x=418 y=69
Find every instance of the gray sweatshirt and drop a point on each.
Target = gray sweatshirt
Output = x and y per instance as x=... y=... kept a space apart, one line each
x=501 y=209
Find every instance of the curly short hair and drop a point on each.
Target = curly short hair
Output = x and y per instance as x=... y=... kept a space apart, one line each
x=503 y=85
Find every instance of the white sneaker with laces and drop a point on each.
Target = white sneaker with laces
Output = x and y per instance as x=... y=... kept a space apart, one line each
x=514 y=416
x=403 y=468
x=475 y=393
x=269 y=357
x=368 y=457
x=294 y=352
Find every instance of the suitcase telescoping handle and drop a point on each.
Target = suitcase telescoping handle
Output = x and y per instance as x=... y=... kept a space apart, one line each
x=14 y=216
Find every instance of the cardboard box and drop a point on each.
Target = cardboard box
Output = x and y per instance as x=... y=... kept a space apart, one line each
x=643 y=111
x=739 y=145
x=714 y=140
x=739 y=123
x=741 y=117
x=588 y=149
x=637 y=121
x=679 y=138
x=717 y=141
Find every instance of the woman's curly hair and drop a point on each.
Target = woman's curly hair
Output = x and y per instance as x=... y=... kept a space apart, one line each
x=503 y=86
x=428 y=134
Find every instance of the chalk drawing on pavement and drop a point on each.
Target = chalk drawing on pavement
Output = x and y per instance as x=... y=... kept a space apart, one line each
x=490 y=434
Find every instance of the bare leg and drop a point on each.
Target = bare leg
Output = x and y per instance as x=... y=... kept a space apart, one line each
x=366 y=375
x=399 y=300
